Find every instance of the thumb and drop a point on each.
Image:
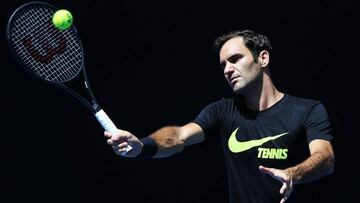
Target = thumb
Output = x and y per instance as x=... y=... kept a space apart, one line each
x=107 y=134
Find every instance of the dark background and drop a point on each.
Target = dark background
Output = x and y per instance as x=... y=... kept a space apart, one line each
x=151 y=64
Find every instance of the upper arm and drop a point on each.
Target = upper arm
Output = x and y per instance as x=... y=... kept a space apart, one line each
x=319 y=134
x=191 y=133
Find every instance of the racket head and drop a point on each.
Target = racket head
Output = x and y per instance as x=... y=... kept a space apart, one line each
x=48 y=53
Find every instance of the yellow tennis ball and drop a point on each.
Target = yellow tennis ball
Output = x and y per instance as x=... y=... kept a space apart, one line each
x=62 y=19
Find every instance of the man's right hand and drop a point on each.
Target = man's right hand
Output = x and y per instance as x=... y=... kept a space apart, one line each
x=120 y=140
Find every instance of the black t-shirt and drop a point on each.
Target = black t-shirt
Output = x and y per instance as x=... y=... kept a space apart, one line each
x=277 y=137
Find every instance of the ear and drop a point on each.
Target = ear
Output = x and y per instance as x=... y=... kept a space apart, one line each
x=264 y=58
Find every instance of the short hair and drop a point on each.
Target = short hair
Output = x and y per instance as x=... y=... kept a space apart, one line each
x=255 y=42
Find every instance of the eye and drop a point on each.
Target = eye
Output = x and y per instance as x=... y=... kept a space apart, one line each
x=235 y=58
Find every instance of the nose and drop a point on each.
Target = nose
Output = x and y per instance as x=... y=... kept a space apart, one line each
x=229 y=68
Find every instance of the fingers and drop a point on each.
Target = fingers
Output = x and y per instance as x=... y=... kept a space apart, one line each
x=278 y=174
x=107 y=134
x=286 y=188
x=123 y=143
x=120 y=148
x=266 y=170
x=288 y=191
x=271 y=171
x=118 y=132
x=283 y=188
x=285 y=198
x=114 y=141
x=117 y=138
x=111 y=142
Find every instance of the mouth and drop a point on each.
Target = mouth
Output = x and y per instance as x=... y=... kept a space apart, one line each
x=233 y=80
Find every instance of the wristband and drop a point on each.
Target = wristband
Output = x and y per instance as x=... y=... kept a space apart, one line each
x=149 y=148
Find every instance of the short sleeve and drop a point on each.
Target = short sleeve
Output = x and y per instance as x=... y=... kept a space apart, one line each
x=317 y=123
x=209 y=118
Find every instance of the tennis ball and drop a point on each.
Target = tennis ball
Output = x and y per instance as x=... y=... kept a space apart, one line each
x=62 y=19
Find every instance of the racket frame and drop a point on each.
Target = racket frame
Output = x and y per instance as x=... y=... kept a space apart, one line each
x=92 y=105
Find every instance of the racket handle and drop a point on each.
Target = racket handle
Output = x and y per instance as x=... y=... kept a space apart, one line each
x=109 y=126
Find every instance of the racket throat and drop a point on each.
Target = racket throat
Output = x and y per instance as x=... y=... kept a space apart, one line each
x=95 y=107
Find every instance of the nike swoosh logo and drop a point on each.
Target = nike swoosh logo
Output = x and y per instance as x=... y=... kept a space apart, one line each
x=236 y=146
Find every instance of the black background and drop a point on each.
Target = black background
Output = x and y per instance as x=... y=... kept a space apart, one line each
x=150 y=64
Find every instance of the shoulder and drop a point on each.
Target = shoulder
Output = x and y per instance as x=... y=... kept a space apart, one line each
x=306 y=106
x=224 y=101
x=302 y=103
x=220 y=106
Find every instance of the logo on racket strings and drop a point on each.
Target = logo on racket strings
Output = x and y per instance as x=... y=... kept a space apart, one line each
x=41 y=47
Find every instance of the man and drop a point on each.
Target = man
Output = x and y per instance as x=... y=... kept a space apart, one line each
x=267 y=136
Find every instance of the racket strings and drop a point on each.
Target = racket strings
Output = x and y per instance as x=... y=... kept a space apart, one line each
x=52 y=54
x=28 y=14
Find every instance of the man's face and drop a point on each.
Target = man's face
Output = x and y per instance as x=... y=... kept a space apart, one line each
x=238 y=64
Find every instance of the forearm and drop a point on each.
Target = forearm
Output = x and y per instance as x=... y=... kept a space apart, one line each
x=317 y=165
x=168 y=140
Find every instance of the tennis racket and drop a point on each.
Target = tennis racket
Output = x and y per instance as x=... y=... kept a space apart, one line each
x=52 y=55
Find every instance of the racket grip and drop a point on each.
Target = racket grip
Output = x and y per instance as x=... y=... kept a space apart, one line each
x=109 y=126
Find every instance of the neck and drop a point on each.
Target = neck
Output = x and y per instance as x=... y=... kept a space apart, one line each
x=262 y=96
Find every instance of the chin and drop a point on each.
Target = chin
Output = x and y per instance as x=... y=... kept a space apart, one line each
x=237 y=89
